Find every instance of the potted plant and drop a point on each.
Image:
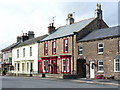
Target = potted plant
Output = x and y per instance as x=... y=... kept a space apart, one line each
x=4 y=72
x=100 y=76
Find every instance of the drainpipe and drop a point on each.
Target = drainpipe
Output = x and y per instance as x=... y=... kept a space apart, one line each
x=73 y=45
x=72 y=54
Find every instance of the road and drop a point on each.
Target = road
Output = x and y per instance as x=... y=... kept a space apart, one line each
x=28 y=82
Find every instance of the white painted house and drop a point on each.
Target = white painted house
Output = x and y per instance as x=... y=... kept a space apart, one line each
x=25 y=56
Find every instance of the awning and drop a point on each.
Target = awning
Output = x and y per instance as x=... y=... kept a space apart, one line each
x=117 y=57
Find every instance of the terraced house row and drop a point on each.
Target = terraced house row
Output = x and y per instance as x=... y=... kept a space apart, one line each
x=81 y=49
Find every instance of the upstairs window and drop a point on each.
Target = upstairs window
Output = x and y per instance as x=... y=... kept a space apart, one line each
x=54 y=47
x=80 y=50
x=45 y=48
x=18 y=53
x=100 y=66
x=23 y=52
x=100 y=48
x=65 y=43
x=30 y=51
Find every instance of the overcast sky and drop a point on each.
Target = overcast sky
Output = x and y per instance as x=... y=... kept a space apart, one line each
x=17 y=16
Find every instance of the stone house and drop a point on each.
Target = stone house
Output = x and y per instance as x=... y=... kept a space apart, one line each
x=7 y=56
x=1 y=56
x=58 y=51
x=98 y=53
x=25 y=55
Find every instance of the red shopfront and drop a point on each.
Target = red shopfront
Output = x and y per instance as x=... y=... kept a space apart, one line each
x=48 y=65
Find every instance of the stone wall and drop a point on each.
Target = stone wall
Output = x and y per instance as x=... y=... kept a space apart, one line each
x=90 y=49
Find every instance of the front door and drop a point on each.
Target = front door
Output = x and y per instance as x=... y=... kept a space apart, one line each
x=92 y=72
x=81 y=68
x=53 y=66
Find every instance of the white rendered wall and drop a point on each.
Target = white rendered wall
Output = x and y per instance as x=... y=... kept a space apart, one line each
x=27 y=58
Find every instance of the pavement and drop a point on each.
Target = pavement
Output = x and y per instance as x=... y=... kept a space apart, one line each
x=84 y=80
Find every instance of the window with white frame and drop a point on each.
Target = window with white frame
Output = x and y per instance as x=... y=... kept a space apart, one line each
x=23 y=52
x=100 y=66
x=46 y=48
x=117 y=65
x=45 y=65
x=54 y=47
x=30 y=51
x=27 y=66
x=65 y=65
x=17 y=53
x=65 y=45
x=80 y=50
x=100 y=48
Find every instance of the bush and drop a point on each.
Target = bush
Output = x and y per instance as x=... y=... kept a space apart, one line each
x=4 y=72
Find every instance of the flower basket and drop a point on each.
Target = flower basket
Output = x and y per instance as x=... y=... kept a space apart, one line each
x=100 y=76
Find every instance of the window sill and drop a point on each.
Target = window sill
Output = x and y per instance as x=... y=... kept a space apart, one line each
x=100 y=71
x=117 y=71
x=80 y=54
x=65 y=52
x=100 y=53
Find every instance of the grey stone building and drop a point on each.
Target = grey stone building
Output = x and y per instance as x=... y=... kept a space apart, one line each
x=99 y=53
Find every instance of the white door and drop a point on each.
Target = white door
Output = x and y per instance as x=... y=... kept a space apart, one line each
x=92 y=73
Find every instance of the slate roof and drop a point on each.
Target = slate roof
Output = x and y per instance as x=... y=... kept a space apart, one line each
x=102 y=33
x=68 y=29
x=10 y=47
x=32 y=41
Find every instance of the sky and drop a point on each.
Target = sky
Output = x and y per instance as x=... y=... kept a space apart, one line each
x=17 y=16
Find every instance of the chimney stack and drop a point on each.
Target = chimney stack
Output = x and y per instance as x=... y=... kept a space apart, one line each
x=30 y=34
x=18 y=38
x=24 y=37
x=70 y=19
x=98 y=11
x=51 y=28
